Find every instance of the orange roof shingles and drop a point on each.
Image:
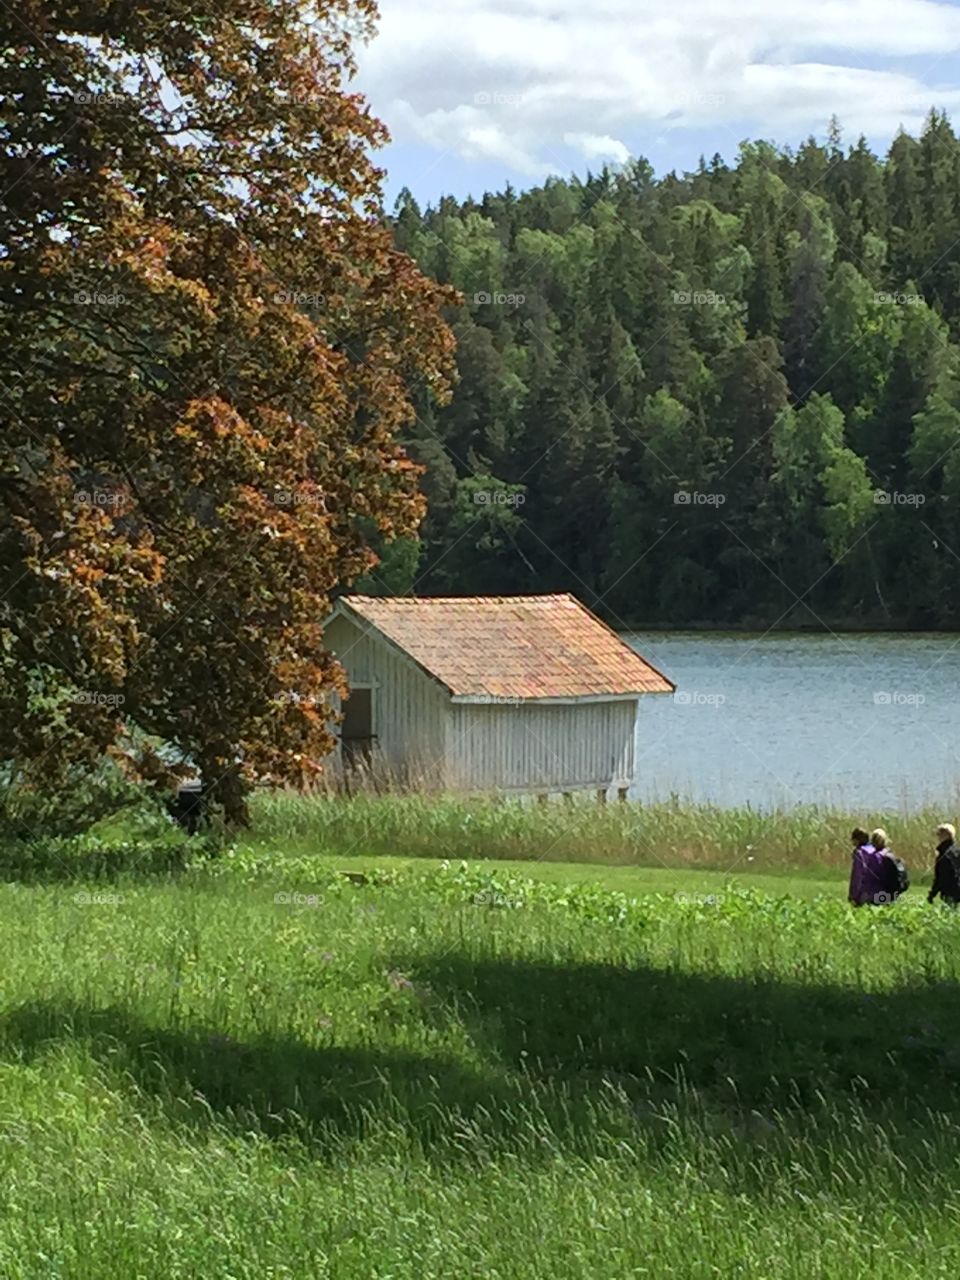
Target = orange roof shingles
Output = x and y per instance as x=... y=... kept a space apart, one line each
x=512 y=646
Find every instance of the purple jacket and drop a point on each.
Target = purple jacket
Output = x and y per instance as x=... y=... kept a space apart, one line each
x=867 y=878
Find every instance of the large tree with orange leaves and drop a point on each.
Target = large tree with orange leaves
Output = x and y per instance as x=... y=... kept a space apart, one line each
x=208 y=346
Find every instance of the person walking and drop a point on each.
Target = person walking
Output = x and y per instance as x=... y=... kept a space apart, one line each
x=891 y=871
x=866 y=868
x=946 y=868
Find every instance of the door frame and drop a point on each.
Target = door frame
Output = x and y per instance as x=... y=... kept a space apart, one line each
x=373 y=686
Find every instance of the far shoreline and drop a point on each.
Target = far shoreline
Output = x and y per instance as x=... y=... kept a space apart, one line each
x=757 y=627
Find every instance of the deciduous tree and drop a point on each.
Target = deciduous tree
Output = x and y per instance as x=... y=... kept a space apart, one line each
x=208 y=343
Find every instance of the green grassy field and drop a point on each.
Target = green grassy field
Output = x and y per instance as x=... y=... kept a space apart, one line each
x=256 y=1066
x=628 y=880
x=671 y=835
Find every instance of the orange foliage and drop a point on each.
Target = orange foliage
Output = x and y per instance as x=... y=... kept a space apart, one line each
x=208 y=346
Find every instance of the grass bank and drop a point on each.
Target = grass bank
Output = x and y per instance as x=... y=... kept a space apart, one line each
x=260 y=1067
x=677 y=835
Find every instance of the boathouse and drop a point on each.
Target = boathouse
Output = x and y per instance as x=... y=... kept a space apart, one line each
x=505 y=694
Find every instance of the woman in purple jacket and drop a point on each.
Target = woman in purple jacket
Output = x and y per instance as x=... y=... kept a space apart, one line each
x=867 y=882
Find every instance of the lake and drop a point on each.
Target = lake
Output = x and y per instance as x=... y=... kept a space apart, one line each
x=860 y=722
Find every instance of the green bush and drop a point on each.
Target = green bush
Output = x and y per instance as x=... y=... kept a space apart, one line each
x=82 y=798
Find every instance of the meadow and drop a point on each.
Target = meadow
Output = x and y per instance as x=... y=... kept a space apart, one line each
x=677 y=834
x=284 y=1061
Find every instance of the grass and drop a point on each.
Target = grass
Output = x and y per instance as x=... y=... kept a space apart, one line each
x=257 y=1067
x=677 y=835
x=628 y=880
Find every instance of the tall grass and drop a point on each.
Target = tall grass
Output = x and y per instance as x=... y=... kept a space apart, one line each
x=674 y=834
x=264 y=1070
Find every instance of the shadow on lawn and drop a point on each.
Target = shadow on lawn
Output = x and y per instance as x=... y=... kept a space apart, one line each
x=780 y=1043
x=277 y=1086
x=550 y=1042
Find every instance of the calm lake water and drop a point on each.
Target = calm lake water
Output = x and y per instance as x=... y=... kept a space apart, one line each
x=862 y=722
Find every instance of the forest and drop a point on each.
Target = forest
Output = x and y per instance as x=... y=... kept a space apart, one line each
x=726 y=398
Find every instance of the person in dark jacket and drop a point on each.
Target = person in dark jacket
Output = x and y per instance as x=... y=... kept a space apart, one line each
x=946 y=869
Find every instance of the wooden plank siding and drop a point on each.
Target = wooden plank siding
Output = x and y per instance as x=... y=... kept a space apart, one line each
x=409 y=708
x=541 y=747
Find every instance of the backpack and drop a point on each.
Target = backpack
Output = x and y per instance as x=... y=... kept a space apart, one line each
x=897 y=876
x=951 y=858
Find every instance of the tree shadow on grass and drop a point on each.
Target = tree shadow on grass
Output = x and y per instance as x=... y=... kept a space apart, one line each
x=779 y=1043
x=574 y=1052
x=276 y=1086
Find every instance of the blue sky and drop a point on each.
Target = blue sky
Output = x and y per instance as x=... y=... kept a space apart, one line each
x=477 y=93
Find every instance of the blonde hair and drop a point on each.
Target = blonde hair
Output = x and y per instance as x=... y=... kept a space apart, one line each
x=878 y=838
x=948 y=829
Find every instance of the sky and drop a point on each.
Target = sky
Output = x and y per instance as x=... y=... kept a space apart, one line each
x=478 y=93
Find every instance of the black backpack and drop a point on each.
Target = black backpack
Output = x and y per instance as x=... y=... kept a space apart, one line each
x=951 y=858
x=897 y=876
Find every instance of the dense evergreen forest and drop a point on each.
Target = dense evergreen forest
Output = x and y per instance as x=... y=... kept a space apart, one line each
x=729 y=397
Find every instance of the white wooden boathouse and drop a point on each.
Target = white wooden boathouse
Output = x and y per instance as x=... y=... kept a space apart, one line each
x=521 y=694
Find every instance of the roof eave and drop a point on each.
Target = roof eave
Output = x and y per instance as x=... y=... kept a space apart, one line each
x=495 y=699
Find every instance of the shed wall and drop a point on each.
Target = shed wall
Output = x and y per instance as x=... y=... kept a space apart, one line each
x=541 y=747
x=410 y=709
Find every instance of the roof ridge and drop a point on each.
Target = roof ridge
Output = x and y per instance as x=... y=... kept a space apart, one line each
x=393 y=600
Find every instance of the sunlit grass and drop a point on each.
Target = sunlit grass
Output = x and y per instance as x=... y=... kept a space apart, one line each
x=680 y=835
x=260 y=1067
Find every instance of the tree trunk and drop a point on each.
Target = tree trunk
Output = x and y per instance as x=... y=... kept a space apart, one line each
x=225 y=786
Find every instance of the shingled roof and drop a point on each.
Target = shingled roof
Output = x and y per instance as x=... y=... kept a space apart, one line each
x=525 y=647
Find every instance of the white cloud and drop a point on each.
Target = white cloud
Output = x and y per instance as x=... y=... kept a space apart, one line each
x=595 y=147
x=476 y=131
x=517 y=81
